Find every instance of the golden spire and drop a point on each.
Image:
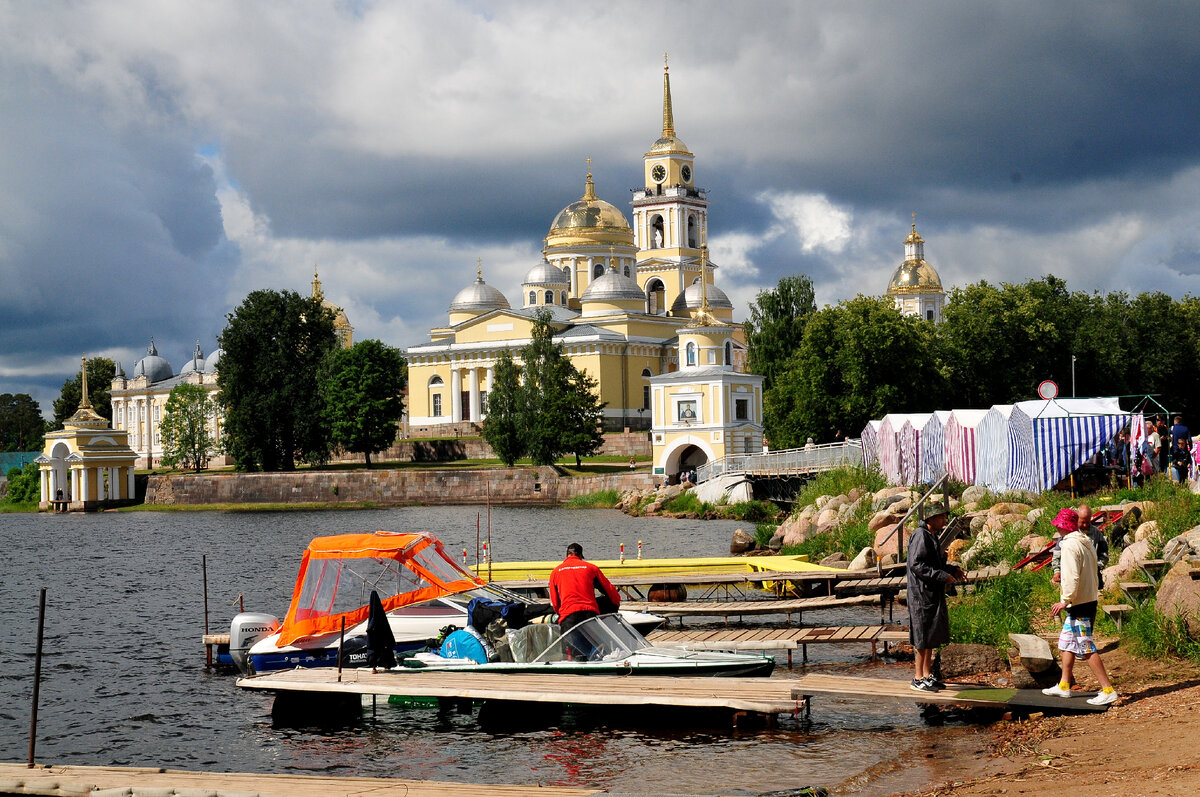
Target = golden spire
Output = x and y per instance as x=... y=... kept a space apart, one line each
x=317 y=293
x=589 y=190
x=84 y=404
x=479 y=269
x=668 y=114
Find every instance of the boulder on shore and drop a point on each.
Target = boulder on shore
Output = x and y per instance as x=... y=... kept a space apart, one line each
x=836 y=559
x=865 y=560
x=974 y=494
x=957 y=660
x=1179 y=597
x=742 y=542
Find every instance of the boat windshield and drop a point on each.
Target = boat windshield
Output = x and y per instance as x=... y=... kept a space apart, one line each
x=608 y=637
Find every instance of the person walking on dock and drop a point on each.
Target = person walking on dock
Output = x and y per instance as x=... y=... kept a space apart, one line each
x=573 y=586
x=1080 y=593
x=928 y=575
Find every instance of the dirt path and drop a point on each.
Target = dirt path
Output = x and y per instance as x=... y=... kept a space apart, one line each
x=1147 y=744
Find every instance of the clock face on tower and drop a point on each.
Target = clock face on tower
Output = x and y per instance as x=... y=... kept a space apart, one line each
x=686 y=173
x=659 y=173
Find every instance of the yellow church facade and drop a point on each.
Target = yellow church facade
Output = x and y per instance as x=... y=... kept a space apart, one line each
x=620 y=296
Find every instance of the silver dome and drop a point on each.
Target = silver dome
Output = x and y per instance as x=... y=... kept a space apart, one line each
x=210 y=365
x=196 y=364
x=690 y=299
x=613 y=286
x=153 y=367
x=544 y=274
x=479 y=296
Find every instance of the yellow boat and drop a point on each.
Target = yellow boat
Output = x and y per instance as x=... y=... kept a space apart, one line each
x=690 y=566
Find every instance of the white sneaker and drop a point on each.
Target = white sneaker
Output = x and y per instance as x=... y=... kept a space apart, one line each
x=1103 y=699
x=1056 y=691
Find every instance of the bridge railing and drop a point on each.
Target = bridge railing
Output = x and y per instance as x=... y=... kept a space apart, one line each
x=786 y=462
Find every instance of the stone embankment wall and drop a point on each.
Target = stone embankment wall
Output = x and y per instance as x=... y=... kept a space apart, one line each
x=523 y=486
x=628 y=444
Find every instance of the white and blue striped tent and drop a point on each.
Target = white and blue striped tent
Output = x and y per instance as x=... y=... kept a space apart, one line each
x=871 y=443
x=1049 y=440
x=991 y=448
x=933 y=447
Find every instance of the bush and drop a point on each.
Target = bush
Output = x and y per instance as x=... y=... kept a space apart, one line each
x=840 y=481
x=604 y=499
x=1152 y=636
x=1000 y=607
x=24 y=485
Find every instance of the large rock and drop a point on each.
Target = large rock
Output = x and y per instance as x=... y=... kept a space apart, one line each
x=669 y=492
x=1179 y=597
x=955 y=661
x=1007 y=508
x=1193 y=539
x=883 y=548
x=837 y=559
x=828 y=517
x=1033 y=651
x=866 y=559
x=1032 y=542
x=797 y=530
x=955 y=550
x=742 y=541
x=1034 y=514
x=882 y=519
x=776 y=543
x=1176 y=548
x=847 y=511
x=1146 y=530
x=977 y=524
x=974 y=494
x=856 y=493
x=822 y=500
x=1131 y=557
x=836 y=503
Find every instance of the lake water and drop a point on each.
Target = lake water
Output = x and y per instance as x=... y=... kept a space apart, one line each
x=124 y=680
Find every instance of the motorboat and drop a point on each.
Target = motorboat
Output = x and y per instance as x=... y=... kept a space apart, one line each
x=420 y=588
x=602 y=645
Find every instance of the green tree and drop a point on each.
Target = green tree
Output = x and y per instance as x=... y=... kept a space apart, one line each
x=546 y=394
x=24 y=485
x=776 y=326
x=362 y=388
x=583 y=433
x=271 y=358
x=502 y=426
x=857 y=361
x=21 y=423
x=100 y=373
x=186 y=437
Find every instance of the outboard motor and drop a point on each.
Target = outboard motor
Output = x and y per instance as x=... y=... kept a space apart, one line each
x=246 y=629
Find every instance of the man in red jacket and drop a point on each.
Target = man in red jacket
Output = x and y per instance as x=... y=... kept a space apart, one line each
x=573 y=586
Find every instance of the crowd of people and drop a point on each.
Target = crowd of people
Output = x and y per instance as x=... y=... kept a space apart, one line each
x=1155 y=448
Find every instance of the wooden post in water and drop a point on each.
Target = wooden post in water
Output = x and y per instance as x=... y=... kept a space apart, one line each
x=37 y=676
x=204 y=579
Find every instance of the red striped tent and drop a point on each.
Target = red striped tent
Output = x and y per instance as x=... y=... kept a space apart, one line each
x=959 y=444
x=870 y=443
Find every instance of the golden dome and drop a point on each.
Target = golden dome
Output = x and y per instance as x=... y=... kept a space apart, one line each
x=915 y=276
x=589 y=219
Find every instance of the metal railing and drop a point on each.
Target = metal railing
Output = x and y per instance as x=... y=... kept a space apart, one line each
x=787 y=462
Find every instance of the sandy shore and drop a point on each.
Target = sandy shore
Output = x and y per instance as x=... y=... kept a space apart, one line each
x=1147 y=744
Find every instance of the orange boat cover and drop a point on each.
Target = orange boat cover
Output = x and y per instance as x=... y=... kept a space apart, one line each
x=418 y=552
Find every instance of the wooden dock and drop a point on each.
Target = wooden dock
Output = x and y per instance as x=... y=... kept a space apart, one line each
x=727 y=609
x=138 y=781
x=779 y=639
x=758 y=695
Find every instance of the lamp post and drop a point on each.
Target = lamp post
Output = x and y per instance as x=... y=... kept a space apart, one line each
x=1072 y=376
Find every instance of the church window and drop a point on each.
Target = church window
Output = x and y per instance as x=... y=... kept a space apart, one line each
x=712 y=357
x=435 y=380
x=729 y=352
x=691 y=354
x=532 y=298
x=549 y=297
x=656 y=232
x=741 y=409
x=645 y=397
x=691 y=231
x=598 y=269
x=563 y=296
x=437 y=404
x=656 y=294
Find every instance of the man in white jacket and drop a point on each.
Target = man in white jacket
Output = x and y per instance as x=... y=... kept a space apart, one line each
x=1080 y=593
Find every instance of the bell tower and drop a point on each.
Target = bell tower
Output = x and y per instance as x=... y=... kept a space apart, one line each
x=670 y=215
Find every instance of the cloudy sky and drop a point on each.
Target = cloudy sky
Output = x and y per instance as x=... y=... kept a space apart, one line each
x=159 y=160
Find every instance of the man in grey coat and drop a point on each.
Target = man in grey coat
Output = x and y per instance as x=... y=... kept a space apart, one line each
x=928 y=575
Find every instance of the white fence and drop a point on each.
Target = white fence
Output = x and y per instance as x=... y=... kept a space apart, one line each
x=788 y=462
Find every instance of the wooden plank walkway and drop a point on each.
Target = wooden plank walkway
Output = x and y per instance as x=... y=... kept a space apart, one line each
x=894 y=584
x=698 y=579
x=760 y=695
x=766 y=638
x=740 y=608
x=135 y=781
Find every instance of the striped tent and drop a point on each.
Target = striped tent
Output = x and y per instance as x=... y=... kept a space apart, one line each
x=909 y=443
x=870 y=443
x=933 y=447
x=959 y=444
x=991 y=448
x=889 y=446
x=1049 y=440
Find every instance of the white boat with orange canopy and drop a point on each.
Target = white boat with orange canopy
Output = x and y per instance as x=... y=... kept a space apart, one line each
x=421 y=590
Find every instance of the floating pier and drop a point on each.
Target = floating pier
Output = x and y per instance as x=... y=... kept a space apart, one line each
x=139 y=781
x=779 y=639
x=768 y=696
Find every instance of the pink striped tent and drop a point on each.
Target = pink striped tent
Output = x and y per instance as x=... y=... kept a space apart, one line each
x=889 y=446
x=909 y=442
x=959 y=444
x=870 y=443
